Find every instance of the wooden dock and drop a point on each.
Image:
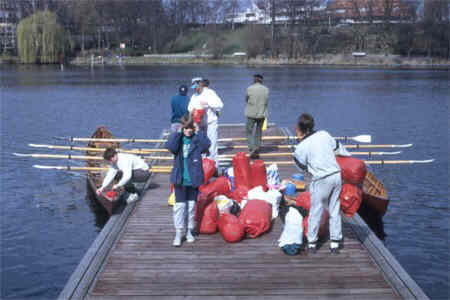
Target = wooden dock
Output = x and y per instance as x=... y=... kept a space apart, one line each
x=133 y=258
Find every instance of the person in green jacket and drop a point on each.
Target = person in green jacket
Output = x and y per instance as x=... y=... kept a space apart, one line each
x=256 y=97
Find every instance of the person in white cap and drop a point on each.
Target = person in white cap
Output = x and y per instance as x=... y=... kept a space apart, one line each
x=207 y=99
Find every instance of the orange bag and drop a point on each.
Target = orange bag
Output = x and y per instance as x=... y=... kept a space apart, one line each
x=256 y=217
x=197 y=115
x=353 y=170
x=208 y=223
x=230 y=228
x=242 y=172
x=351 y=197
x=209 y=168
x=220 y=186
x=258 y=174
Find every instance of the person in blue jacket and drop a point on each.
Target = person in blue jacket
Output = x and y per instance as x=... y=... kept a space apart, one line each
x=187 y=145
x=179 y=105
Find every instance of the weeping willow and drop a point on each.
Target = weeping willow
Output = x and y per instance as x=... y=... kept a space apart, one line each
x=40 y=39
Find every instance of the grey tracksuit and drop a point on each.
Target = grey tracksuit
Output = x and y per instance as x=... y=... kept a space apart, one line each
x=316 y=153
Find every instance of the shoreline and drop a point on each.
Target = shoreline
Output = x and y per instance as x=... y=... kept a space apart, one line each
x=327 y=60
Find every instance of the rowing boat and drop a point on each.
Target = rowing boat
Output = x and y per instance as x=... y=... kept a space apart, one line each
x=95 y=179
x=374 y=194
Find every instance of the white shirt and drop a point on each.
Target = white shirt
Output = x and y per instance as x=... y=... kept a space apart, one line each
x=316 y=152
x=126 y=163
x=213 y=103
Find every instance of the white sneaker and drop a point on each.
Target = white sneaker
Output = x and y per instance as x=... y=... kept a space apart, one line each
x=132 y=198
x=178 y=238
x=189 y=237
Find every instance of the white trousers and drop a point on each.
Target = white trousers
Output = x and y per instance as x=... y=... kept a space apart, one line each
x=325 y=191
x=212 y=133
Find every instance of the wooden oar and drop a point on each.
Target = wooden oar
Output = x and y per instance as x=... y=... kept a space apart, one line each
x=291 y=154
x=82 y=157
x=369 y=162
x=364 y=138
x=134 y=151
x=357 y=146
x=162 y=169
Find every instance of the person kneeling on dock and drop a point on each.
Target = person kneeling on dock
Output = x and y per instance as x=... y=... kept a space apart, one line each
x=315 y=153
x=126 y=168
x=187 y=175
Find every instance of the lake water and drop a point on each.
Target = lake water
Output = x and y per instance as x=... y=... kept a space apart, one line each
x=48 y=223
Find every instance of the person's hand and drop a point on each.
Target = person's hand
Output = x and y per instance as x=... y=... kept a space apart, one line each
x=99 y=191
x=115 y=187
x=196 y=128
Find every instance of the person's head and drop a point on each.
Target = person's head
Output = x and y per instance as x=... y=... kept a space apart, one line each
x=187 y=125
x=183 y=89
x=197 y=84
x=205 y=82
x=305 y=125
x=258 y=78
x=110 y=155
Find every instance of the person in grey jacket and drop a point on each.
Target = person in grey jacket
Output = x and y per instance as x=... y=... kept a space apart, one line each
x=188 y=145
x=256 y=97
x=315 y=154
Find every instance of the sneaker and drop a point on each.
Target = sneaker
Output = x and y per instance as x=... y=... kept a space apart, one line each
x=132 y=198
x=178 y=238
x=334 y=247
x=312 y=248
x=190 y=237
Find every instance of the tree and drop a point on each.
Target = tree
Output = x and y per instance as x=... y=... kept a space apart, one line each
x=40 y=38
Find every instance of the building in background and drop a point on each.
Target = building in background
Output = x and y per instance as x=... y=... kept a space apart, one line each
x=9 y=18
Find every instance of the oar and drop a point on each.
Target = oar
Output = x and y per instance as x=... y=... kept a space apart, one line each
x=291 y=154
x=135 y=151
x=364 y=138
x=161 y=169
x=357 y=146
x=370 y=162
x=82 y=157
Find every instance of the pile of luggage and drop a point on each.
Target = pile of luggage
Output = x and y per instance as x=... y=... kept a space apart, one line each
x=243 y=202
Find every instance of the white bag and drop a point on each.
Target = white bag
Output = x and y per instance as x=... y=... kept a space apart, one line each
x=273 y=177
x=293 y=229
x=223 y=203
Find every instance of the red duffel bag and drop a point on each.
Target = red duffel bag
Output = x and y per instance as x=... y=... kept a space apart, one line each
x=241 y=169
x=208 y=223
x=197 y=115
x=230 y=228
x=304 y=200
x=239 y=193
x=323 y=227
x=256 y=217
x=351 y=197
x=202 y=202
x=353 y=170
x=209 y=168
x=258 y=174
x=220 y=186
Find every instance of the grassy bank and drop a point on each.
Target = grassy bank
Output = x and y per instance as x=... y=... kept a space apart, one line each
x=389 y=61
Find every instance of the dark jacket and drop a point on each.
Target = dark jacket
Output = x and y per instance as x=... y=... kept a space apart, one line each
x=199 y=144
x=179 y=105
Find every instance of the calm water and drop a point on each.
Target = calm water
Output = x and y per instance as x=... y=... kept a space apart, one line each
x=47 y=223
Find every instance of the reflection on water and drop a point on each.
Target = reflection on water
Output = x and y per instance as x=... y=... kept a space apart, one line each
x=100 y=213
x=373 y=219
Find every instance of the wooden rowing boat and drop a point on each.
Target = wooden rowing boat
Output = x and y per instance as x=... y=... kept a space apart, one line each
x=95 y=179
x=374 y=194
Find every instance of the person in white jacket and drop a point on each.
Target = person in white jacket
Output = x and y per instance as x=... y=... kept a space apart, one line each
x=206 y=98
x=127 y=168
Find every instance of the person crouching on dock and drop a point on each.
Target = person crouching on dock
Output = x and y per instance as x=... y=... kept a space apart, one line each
x=127 y=168
x=187 y=175
x=315 y=153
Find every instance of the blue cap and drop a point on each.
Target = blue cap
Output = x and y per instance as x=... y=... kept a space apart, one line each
x=298 y=177
x=290 y=189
